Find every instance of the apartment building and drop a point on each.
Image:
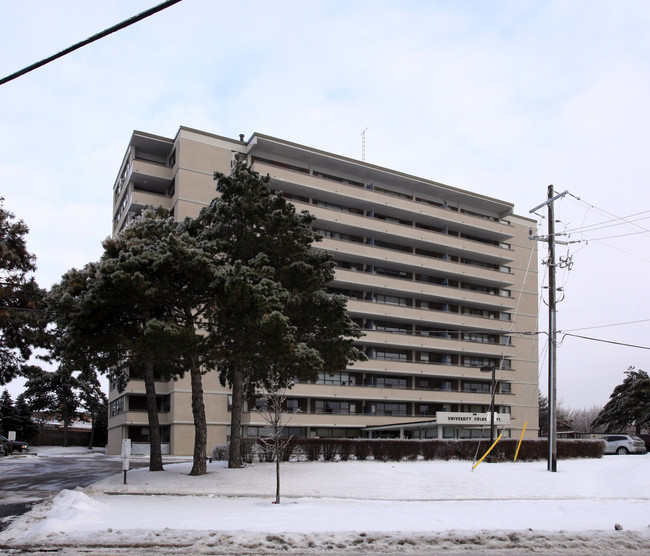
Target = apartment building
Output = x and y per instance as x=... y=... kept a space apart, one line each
x=442 y=281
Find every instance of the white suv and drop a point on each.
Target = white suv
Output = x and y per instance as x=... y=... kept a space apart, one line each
x=622 y=444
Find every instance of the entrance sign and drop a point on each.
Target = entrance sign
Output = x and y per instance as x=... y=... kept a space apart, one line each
x=457 y=418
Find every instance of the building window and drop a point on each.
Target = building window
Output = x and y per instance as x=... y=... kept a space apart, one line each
x=138 y=402
x=338 y=433
x=393 y=273
x=444 y=385
x=474 y=408
x=479 y=337
x=391 y=354
x=352 y=294
x=141 y=434
x=336 y=407
x=335 y=206
x=393 y=300
x=136 y=372
x=259 y=432
x=392 y=246
x=117 y=406
x=471 y=433
x=478 y=362
x=336 y=379
x=392 y=193
x=396 y=409
x=506 y=388
x=347 y=265
x=480 y=387
x=390 y=382
x=337 y=235
x=395 y=328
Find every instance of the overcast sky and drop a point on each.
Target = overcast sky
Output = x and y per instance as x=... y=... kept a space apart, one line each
x=501 y=98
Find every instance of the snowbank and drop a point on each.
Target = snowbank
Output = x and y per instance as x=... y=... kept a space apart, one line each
x=356 y=506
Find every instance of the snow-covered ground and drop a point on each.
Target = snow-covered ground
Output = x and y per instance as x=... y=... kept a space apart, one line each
x=588 y=506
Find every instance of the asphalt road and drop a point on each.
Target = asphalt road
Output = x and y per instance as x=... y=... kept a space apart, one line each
x=28 y=479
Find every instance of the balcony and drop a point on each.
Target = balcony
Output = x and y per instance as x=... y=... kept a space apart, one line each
x=428 y=317
x=416 y=341
x=373 y=255
x=356 y=224
x=348 y=195
x=141 y=199
x=359 y=280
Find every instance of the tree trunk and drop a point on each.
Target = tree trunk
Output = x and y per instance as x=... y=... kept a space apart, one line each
x=235 y=459
x=92 y=430
x=155 y=454
x=65 y=429
x=200 y=427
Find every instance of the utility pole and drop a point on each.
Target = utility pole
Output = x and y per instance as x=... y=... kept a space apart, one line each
x=552 y=328
x=552 y=346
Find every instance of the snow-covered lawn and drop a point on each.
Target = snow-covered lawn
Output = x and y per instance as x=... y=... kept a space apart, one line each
x=358 y=506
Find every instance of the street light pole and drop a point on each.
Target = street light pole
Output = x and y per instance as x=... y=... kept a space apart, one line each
x=491 y=368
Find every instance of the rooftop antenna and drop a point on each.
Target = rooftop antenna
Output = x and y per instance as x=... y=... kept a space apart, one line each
x=363 y=145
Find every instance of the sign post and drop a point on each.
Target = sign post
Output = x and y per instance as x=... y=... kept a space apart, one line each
x=126 y=453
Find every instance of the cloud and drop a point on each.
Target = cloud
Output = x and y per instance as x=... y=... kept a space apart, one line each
x=501 y=98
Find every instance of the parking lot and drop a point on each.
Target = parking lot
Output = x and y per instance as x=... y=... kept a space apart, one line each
x=26 y=479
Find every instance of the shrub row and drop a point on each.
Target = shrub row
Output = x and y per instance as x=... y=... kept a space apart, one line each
x=331 y=449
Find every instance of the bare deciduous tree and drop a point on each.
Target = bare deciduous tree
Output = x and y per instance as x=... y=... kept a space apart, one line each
x=581 y=419
x=277 y=417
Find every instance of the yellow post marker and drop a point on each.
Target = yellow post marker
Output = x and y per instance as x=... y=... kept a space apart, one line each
x=486 y=453
x=520 y=439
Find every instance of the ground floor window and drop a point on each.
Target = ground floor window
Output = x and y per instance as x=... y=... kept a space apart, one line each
x=337 y=433
x=473 y=433
x=138 y=402
x=141 y=433
x=260 y=432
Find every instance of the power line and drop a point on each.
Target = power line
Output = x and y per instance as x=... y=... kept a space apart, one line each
x=607 y=224
x=616 y=236
x=619 y=250
x=606 y=325
x=607 y=341
x=622 y=219
x=89 y=40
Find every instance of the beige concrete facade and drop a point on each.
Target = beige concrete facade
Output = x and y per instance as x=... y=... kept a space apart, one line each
x=442 y=281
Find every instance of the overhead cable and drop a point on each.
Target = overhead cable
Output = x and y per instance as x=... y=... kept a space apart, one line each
x=89 y=40
x=605 y=341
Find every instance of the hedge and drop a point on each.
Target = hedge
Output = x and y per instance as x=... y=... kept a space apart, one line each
x=382 y=449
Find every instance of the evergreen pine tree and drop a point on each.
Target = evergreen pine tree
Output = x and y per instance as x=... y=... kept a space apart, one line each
x=628 y=405
x=20 y=296
x=271 y=311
